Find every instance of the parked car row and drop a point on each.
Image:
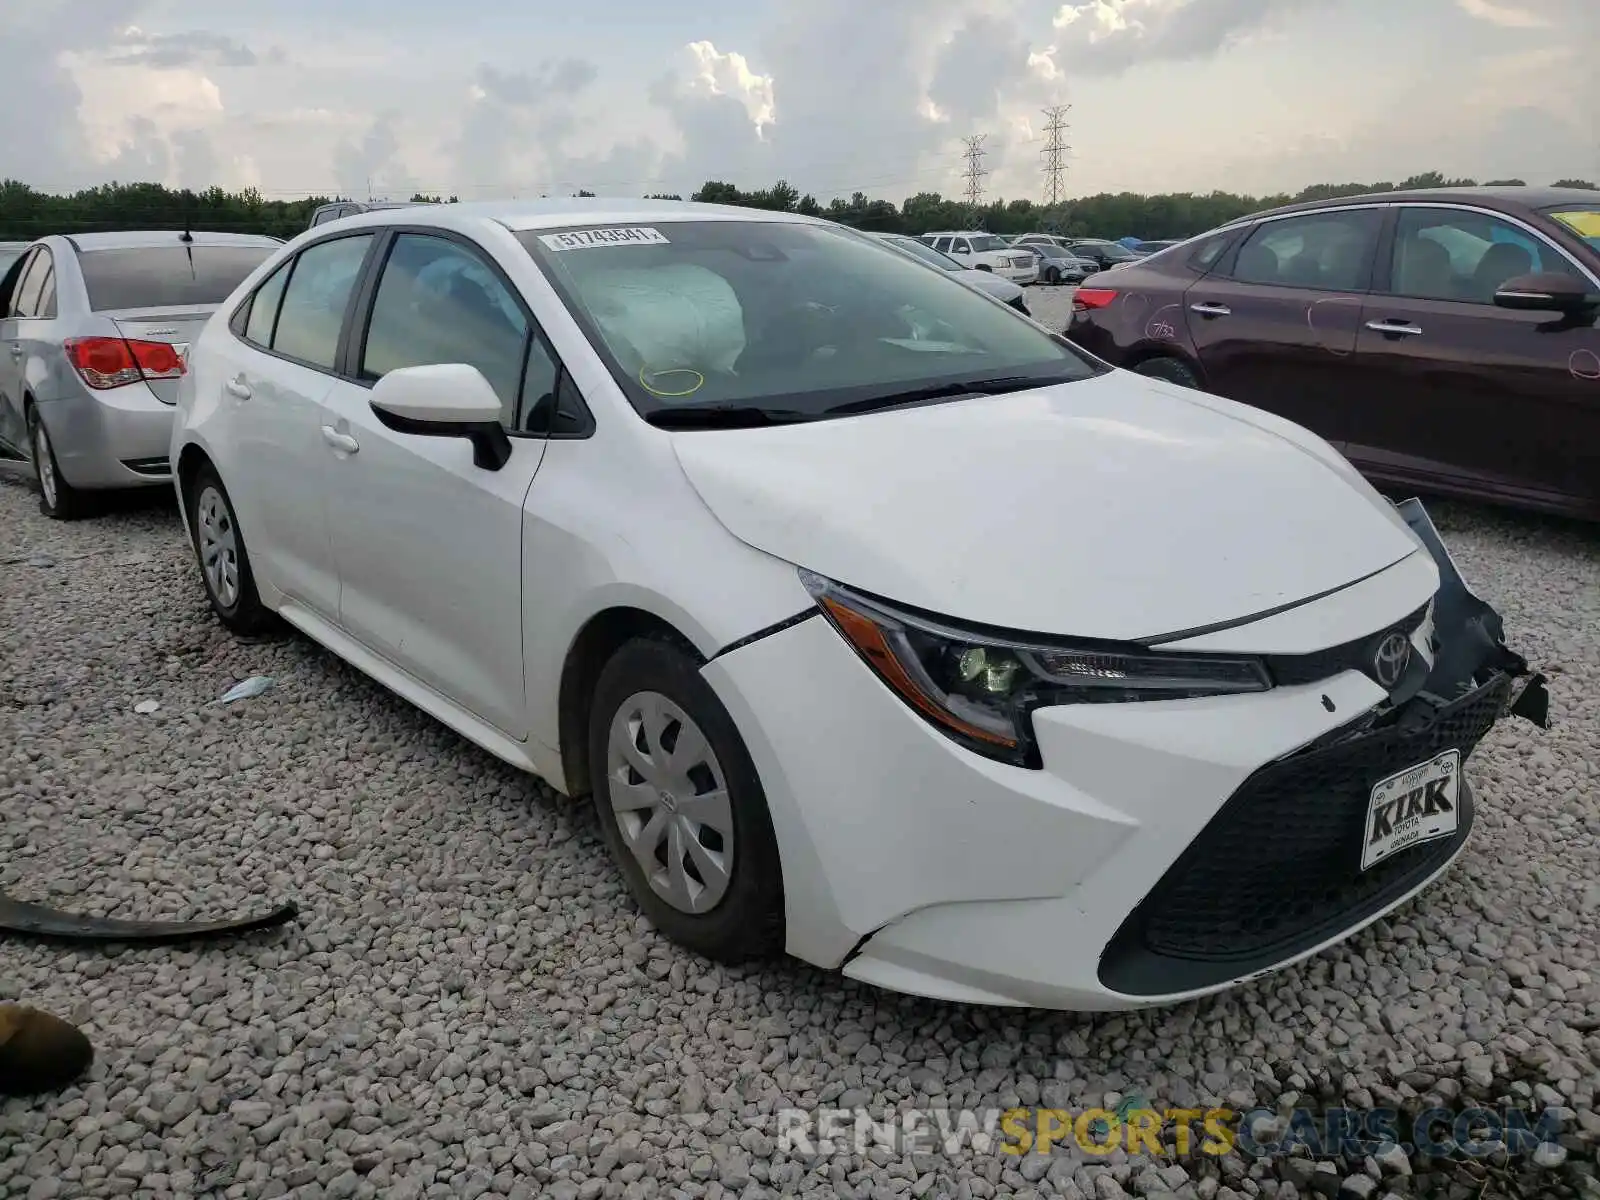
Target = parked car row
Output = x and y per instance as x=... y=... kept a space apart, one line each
x=1442 y=340
x=881 y=626
x=1000 y=288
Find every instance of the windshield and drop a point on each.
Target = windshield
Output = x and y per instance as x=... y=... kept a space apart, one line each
x=926 y=253
x=1585 y=222
x=785 y=320
x=9 y=253
x=166 y=276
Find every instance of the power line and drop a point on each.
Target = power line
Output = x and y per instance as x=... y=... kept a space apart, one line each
x=975 y=170
x=1055 y=152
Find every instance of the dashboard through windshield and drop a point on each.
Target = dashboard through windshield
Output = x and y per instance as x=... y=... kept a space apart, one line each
x=786 y=319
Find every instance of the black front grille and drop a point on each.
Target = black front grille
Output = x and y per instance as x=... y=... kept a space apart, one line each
x=1357 y=655
x=1278 y=869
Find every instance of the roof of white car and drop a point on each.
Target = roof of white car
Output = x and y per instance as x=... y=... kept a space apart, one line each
x=550 y=213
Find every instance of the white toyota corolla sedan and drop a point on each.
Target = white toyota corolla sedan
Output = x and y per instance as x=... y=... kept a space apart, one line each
x=884 y=626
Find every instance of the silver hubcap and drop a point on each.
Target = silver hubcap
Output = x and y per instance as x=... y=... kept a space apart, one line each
x=44 y=462
x=671 y=801
x=219 y=547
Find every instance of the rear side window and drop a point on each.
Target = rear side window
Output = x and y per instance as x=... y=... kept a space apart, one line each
x=166 y=276
x=25 y=302
x=264 y=307
x=1330 y=251
x=312 y=312
x=1205 y=255
x=45 y=307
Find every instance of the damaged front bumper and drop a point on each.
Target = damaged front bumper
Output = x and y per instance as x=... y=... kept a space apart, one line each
x=1281 y=868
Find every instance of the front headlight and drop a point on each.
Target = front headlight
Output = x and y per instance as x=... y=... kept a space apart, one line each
x=978 y=687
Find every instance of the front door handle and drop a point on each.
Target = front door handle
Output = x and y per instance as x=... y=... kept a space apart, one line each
x=16 y=349
x=1211 y=310
x=340 y=441
x=238 y=387
x=1397 y=327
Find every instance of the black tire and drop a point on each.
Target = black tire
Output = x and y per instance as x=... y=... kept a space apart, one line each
x=1052 y=276
x=1173 y=370
x=58 y=499
x=243 y=613
x=984 y=267
x=746 y=922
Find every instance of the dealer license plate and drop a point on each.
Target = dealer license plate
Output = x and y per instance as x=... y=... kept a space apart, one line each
x=1411 y=807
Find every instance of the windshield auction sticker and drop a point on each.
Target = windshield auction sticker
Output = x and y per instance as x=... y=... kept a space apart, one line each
x=588 y=239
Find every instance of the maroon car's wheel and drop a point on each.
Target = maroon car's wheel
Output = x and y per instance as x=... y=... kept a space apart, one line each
x=1173 y=370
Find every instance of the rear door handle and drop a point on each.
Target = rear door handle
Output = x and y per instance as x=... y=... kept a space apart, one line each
x=16 y=349
x=340 y=441
x=1211 y=310
x=1397 y=327
x=238 y=387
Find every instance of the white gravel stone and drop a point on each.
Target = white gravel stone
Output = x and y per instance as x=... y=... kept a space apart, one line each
x=468 y=1003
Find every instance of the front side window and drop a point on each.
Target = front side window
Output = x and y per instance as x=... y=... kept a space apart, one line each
x=167 y=276
x=1329 y=252
x=312 y=312
x=1453 y=254
x=788 y=318
x=1585 y=222
x=943 y=245
x=984 y=245
x=437 y=302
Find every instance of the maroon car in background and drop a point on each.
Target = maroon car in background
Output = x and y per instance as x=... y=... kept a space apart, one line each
x=1442 y=340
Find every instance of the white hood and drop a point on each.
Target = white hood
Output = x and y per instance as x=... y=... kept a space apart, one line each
x=1118 y=507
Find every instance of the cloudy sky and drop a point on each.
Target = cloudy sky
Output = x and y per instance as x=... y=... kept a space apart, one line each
x=487 y=98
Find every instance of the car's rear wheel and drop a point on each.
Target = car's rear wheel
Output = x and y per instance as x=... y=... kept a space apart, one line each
x=58 y=499
x=681 y=807
x=1173 y=370
x=224 y=563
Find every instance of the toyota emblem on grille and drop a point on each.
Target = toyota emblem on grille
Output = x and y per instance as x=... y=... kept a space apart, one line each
x=1390 y=659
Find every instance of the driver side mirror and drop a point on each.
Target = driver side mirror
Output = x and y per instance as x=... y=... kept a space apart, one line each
x=445 y=400
x=1546 y=291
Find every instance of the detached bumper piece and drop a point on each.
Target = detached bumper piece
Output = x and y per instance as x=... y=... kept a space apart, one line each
x=1278 y=871
x=38 y=921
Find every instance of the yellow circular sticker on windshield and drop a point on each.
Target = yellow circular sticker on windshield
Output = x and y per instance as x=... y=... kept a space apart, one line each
x=674 y=381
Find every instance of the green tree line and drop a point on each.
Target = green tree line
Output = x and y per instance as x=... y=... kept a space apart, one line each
x=27 y=213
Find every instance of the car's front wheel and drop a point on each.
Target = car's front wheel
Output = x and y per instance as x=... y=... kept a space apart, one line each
x=58 y=499
x=1052 y=276
x=681 y=807
x=1173 y=370
x=224 y=563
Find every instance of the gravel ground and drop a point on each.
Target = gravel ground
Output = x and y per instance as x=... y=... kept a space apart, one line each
x=469 y=1005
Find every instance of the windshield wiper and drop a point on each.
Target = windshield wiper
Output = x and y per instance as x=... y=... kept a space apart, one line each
x=997 y=386
x=724 y=416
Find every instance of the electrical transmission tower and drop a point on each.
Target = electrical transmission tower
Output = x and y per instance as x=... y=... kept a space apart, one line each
x=975 y=170
x=1055 y=152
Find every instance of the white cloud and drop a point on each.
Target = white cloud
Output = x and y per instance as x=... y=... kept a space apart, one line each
x=719 y=74
x=1508 y=16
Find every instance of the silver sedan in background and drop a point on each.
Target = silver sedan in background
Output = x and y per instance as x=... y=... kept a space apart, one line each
x=94 y=336
x=985 y=281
